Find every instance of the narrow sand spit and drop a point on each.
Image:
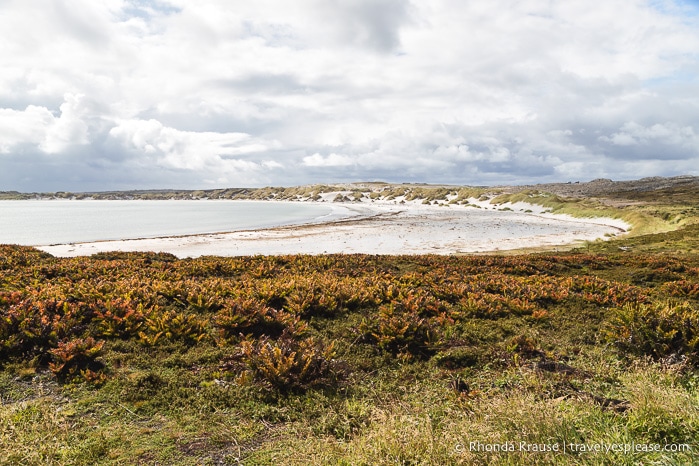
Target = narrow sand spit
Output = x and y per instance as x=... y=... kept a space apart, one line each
x=382 y=228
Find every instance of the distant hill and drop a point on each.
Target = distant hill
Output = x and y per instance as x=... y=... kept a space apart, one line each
x=596 y=188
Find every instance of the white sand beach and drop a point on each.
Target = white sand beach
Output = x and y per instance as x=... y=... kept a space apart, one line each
x=385 y=227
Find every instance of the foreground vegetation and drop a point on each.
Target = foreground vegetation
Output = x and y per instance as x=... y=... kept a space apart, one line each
x=141 y=358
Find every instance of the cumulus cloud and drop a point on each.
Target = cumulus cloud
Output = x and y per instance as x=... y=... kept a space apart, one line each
x=191 y=149
x=23 y=127
x=68 y=129
x=39 y=127
x=135 y=93
x=671 y=134
x=225 y=155
x=332 y=160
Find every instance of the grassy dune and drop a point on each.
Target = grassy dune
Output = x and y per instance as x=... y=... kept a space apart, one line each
x=141 y=358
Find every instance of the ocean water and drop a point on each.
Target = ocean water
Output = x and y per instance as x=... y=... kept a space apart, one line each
x=46 y=222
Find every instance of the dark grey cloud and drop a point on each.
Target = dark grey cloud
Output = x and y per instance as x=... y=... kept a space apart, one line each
x=375 y=24
x=265 y=84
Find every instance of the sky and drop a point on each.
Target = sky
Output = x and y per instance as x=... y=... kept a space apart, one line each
x=138 y=94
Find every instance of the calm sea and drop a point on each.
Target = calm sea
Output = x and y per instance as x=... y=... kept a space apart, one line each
x=45 y=222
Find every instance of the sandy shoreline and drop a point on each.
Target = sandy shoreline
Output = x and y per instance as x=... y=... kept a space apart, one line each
x=382 y=228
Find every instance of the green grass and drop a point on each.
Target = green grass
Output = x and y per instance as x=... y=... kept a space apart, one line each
x=641 y=221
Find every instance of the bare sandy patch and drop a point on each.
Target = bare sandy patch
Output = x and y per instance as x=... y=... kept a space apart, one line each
x=383 y=228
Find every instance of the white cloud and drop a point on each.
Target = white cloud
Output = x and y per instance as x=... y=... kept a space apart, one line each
x=39 y=127
x=23 y=127
x=669 y=133
x=332 y=160
x=189 y=150
x=69 y=129
x=436 y=91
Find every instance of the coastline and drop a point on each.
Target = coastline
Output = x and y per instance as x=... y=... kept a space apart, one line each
x=382 y=227
x=50 y=222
